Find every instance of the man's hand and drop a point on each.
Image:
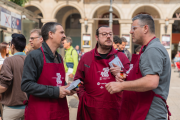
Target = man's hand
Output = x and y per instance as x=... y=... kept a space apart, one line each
x=74 y=91
x=71 y=75
x=115 y=70
x=119 y=78
x=63 y=92
x=114 y=87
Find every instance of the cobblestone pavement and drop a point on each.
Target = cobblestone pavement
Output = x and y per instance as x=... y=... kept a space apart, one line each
x=173 y=98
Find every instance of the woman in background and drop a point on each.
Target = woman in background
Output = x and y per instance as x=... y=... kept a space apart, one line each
x=3 y=51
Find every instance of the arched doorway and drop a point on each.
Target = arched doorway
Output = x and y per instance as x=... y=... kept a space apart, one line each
x=101 y=13
x=150 y=11
x=73 y=28
x=36 y=11
x=32 y=24
x=175 y=33
x=69 y=17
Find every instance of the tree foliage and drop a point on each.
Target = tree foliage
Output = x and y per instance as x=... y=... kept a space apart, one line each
x=19 y=2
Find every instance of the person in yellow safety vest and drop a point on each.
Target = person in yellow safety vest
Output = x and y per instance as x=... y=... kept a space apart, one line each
x=70 y=59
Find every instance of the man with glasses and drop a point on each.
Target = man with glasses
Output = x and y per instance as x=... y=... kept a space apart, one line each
x=147 y=85
x=36 y=38
x=93 y=69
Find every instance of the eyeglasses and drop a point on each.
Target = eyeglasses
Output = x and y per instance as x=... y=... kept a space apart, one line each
x=106 y=34
x=32 y=38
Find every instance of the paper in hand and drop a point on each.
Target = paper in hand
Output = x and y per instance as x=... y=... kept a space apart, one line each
x=117 y=62
x=73 y=85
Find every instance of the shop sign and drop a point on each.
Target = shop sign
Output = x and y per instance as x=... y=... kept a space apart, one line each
x=127 y=37
x=86 y=40
x=10 y=19
x=15 y=21
x=5 y=18
x=166 y=41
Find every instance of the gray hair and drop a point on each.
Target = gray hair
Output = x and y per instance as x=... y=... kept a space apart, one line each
x=145 y=19
x=69 y=40
x=123 y=39
x=38 y=31
x=50 y=26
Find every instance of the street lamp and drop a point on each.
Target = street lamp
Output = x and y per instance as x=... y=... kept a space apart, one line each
x=166 y=25
x=110 y=14
x=86 y=24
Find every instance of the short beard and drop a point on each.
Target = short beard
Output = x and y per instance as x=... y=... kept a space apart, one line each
x=104 y=47
x=61 y=45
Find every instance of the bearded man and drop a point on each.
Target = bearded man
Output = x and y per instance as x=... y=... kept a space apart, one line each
x=93 y=69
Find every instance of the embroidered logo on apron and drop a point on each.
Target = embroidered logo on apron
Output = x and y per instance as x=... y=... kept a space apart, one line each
x=58 y=79
x=105 y=72
x=104 y=75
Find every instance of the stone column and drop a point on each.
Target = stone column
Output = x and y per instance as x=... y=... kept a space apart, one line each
x=89 y=31
x=169 y=32
x=125 y=27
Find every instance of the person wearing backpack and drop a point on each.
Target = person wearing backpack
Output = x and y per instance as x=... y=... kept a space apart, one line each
x=70 y=60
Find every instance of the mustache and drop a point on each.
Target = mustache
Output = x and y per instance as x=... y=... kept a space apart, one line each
x=108 y=40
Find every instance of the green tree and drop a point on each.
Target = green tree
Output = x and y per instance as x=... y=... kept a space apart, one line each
x=19 y=2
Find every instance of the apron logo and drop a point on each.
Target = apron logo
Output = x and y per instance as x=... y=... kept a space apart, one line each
x=58 y=79
x=98 y=83
x=105 y=72
x=131 y=67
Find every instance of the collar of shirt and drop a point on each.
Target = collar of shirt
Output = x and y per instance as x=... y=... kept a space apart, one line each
x=19 y=53
x=47 y=50
x=121 y=51
x=150 y=42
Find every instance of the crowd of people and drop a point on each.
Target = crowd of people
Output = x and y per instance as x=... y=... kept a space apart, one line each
x=33 y=85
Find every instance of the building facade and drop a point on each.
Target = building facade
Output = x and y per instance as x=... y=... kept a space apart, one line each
x=81 y=18
x=15 y=19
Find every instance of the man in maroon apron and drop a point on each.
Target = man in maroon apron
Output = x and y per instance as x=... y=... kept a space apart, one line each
x=93 y=69
x=147 y=84
x=44 y=78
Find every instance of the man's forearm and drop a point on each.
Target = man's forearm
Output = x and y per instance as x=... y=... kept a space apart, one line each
x=141 y=85
x=39 y=90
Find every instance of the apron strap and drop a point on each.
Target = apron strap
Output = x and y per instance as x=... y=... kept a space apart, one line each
x=169 y=113
x=141 y=51
x=43 y=55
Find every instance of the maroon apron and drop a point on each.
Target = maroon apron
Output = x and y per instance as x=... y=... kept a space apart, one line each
x=136 y=105
x=40 y=108
x=97 y=103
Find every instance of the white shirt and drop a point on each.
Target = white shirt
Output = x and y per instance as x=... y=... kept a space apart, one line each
x=1 y=60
